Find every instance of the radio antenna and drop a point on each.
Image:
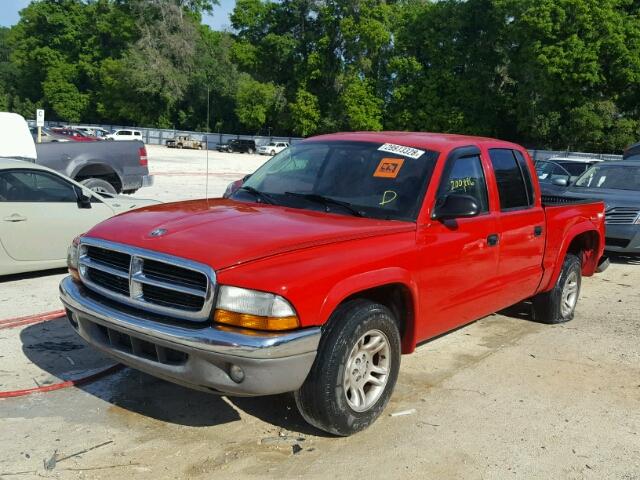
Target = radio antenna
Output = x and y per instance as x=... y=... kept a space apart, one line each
x=206 y=183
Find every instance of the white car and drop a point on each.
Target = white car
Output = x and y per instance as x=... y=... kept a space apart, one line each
x=42 y=211
x=125 y=134
x=272 y=148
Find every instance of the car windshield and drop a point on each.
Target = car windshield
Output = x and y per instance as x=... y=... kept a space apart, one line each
x=574 y=168
x=617 y=177
x=353 y=178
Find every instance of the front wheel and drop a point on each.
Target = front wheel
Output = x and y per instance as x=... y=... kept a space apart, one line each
x=355 y=371
x=559 y=304
x=273 y=152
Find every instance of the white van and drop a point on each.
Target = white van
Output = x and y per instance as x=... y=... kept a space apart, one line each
x=125 y=134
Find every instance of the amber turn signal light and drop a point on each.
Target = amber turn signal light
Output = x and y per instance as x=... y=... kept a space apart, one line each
x=255 y=322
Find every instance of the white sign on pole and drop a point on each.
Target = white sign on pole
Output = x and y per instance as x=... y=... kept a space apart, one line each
x=39 y=118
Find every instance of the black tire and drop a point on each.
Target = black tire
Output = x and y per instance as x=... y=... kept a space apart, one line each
x=553 y=307
x=273 y=152
x=322 y=399
x=99 y=186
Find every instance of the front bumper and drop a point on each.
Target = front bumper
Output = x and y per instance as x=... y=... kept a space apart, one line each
x=199 y=358
x=623 y=238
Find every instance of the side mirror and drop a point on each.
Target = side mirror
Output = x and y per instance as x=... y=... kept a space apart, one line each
x=84 y=199
x=455 y=205
x=560 y=182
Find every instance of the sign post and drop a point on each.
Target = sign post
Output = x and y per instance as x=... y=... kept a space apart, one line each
x=39 y=123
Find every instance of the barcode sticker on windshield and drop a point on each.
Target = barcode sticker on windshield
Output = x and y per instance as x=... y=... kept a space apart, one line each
x=401 y=150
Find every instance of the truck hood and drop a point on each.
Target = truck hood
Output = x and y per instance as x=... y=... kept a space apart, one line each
x=611 y=198
x=15 y=138
x=222 y=233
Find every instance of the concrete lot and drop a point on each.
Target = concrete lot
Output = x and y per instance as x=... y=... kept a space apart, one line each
x=504 y=397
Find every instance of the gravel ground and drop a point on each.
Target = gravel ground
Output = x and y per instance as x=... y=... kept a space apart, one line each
x=504 y=397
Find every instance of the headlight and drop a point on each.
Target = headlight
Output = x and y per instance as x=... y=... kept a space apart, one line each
x=72 y=258
x=245 y=308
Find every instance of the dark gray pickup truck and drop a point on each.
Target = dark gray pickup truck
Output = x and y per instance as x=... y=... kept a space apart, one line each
x=104 y=167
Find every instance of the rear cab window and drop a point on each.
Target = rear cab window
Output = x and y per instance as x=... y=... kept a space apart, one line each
x=513 y=179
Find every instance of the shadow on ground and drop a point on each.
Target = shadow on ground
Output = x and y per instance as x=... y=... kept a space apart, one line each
x=29 y=275
x=56 y=349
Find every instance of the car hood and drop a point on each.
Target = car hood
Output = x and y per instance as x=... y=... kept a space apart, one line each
x=222 y=233
x=611 y=198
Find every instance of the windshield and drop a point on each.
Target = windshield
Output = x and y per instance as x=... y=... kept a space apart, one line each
x=617 y=177
x=368 y=179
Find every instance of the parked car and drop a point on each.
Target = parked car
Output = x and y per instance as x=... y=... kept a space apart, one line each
x=272 y=148
x=47 y=135
x=556 y=173
x=632 y=152
x=75 y=135
x=41 y=211
x=103 y=167
x=97 y=132
x=185 y=141
x=618 y=185
x=238 y=145
x=127 y=134
x=331 y=260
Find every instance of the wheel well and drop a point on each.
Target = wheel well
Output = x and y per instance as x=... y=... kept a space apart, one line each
x=585 y=247
x=98 y=170
x=397 y=298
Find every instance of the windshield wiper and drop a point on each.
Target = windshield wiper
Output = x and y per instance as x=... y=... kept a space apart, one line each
x=326 y=201
x=265 y=197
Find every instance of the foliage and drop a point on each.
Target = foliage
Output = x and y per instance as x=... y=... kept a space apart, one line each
x=546 y=73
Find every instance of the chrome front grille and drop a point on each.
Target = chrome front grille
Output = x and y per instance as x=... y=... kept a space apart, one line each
x=621 y=215
x=151 y=281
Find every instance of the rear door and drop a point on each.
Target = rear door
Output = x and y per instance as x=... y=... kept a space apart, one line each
x=39 y=215
x=521 y=224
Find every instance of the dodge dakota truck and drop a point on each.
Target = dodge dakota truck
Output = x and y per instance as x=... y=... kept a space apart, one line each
x=330 y=261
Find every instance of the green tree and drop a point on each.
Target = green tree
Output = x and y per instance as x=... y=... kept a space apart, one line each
x=305 y=113
x=256 y=102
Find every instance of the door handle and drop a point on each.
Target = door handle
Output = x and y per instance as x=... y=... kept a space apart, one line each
x=537 y=230
x=493 y=239
x=15 y=218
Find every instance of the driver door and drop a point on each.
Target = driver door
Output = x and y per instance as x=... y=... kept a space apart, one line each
x=40 y=215
x=458 y=258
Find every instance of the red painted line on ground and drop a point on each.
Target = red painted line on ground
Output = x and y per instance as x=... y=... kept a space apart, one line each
x=30 y=319
x=61 y=385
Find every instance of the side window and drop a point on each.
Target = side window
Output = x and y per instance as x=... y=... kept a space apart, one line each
x=466 y=176
x=137 y=134
x=513 y=178
x=30 y=186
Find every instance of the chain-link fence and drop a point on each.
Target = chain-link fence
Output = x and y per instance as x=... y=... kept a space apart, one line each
x=158 y=136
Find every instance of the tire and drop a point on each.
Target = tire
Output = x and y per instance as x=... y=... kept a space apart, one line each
x=559 y=304
x=250 y=151
x=99 y=186
x=328 y=400
x=273 y=152
x=180 y=146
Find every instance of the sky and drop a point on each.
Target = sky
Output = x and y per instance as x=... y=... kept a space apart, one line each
x=219 y=20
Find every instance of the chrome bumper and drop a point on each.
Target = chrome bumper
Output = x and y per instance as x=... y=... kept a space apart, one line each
x=147 y=180
x=199 y=358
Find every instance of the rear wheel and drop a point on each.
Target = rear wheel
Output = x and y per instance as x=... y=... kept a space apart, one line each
x=559 y=304
x=355 y=371
x=99 y=186
x=250 y=151
x=273 y=152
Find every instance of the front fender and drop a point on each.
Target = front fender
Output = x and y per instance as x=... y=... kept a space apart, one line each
x=372 y=279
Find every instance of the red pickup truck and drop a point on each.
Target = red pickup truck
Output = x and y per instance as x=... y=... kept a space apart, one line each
x=334 y=258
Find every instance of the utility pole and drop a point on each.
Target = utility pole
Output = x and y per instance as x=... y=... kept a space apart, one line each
x=207 y=104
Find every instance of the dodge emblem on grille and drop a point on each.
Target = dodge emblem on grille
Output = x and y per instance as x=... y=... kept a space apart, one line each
x=158 y=232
